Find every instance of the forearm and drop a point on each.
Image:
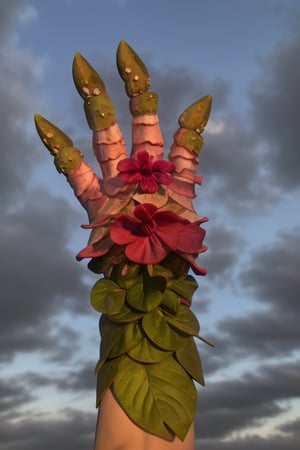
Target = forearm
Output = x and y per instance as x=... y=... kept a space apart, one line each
x=115 y=431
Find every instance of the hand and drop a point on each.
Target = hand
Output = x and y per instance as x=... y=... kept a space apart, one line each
x=145 y=236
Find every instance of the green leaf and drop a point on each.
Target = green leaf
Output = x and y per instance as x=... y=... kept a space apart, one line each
x=126 y=315
x=116 y=339
x=159 y=332
x=185 y=288
x=157 y=397
x=170 y=301
x=184 y=321
x=146 y=352
x=107 y=297
x=146 y=293
x=188 y=356
x=125 y=274
x=171 y=267
x=105 y=377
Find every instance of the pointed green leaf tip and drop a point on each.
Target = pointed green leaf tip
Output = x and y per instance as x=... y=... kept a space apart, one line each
x=51 y=136
x=132 y=70
x=66 y=157
x=195 y=117
x=87 y=81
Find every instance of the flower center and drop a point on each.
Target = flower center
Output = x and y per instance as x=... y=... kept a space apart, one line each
x=146 y=169
x=148 y=227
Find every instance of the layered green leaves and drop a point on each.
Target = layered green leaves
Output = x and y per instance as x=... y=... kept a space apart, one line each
x=148 y=356
x=164 y=396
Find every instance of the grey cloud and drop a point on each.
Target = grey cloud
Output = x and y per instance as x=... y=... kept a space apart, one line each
x=291 y=428
x=72 y=429
x=40 y=277
x=12 y=393
x=274 y=442
x=224 y=248
x=275 y=97
x=247 y=400
x=272 y=275
x=80 y=380
x=18 y=88
x=260 y=334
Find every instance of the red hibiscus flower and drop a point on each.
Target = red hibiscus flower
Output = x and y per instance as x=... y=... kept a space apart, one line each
x=145 y=172
x=152 y=234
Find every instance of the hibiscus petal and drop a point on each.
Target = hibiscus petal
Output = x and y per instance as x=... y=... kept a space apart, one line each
x=149 y=185
x=143 y=157
x=190 y=239
x=145 y=211
x=124 y=230
x=162 y=178
x=130 y=177
x=146 y=250
x=186 y=238
x=99 y=249
x=167 y=218
x=163 y=166
x=198 y=270
x=128 y=165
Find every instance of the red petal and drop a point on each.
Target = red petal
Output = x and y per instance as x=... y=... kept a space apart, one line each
x=99 y=249
x=146 y=250
x=163 y=178
x=128 y=165
x=130 y=177
x=143 y=157
x=167 y=218
x=145 y=211
x=163 y=166
x=190 y=239
x=198 y=270
x=124 y=230
x=149 y=185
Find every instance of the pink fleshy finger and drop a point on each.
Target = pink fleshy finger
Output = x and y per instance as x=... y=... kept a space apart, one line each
x=146 y=135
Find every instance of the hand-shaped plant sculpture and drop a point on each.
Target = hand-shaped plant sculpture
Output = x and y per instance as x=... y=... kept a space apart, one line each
x=145 y=237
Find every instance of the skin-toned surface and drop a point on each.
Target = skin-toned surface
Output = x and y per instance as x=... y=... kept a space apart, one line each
x=115 y=431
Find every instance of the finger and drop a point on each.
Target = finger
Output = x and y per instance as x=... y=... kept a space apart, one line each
x=184 y=153
x=69 y=161
x=108 y=143
x=146 y=133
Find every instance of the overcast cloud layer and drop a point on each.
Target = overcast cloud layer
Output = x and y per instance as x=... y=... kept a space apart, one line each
x=251 y=164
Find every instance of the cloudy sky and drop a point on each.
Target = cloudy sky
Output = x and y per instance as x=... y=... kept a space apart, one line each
x=244 y=53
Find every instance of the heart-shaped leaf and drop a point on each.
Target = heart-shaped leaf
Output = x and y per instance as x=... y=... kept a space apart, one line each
x=184 y=321
x=125 y=274
x=159 y=332
x=171 y=267
x=117 y=339
x=170 y=301
x=146 y=293
x=146 y=352
x=107 y=297
x=185 y=288
x=126 y=315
